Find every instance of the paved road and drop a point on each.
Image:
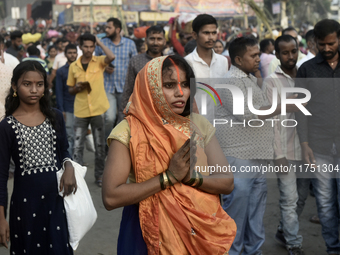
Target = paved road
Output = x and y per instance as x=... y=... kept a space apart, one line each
x=102 y=238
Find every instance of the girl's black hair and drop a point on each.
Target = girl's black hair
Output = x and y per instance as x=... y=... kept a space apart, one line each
x=12 y=103
x=190 y=77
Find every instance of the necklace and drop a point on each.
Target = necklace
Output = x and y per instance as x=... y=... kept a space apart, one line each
x=332 y=63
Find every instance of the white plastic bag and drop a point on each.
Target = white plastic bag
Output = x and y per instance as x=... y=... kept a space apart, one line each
x=80 y=211
x=89 y=143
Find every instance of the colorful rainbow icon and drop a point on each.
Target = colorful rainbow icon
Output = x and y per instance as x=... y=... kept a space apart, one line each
x=209 y=93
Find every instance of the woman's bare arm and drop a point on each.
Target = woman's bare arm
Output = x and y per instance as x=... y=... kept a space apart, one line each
x=115 y=191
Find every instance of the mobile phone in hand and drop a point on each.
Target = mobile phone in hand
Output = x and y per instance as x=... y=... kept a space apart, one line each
x=87 y=86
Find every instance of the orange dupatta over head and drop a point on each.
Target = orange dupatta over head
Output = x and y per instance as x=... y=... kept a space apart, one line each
x=181 y=219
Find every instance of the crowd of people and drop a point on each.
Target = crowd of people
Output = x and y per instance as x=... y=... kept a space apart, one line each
x=150 y=126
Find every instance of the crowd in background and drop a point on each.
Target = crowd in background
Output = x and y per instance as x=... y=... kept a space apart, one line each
x=91 y=74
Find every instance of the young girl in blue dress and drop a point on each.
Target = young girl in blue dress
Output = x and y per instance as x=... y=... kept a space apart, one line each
x=33 y=135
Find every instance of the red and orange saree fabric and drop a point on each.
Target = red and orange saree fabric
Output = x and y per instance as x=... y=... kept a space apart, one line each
x=181 y=219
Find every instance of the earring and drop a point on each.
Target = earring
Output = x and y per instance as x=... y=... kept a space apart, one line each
x=43 y=95
x=15 y=94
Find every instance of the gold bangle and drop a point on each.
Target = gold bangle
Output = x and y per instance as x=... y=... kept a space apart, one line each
x=166 y=181
x=197 y=179
x=161 y=180
x=201 y=181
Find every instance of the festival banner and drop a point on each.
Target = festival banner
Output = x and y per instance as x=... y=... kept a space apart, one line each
x=217 y=7
x=101 y=14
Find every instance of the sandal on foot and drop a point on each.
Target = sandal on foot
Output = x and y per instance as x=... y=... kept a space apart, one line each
x=99 y=182
x=315 y=219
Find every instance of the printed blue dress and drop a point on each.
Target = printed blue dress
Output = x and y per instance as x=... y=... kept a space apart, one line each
x=37 y=217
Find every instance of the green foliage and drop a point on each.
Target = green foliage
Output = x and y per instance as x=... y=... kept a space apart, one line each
x=260 y=14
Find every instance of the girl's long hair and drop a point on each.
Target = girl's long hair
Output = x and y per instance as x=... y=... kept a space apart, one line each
x=12 y=103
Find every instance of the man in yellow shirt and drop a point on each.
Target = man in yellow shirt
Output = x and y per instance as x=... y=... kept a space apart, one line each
x=86 y=81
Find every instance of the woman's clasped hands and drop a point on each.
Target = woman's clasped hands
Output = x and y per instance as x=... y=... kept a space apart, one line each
x=184 y=160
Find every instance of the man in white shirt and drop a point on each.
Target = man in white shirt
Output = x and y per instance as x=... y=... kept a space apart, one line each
x=203 y=60
x=9 y=59
x=312 y=49
x=59 y=61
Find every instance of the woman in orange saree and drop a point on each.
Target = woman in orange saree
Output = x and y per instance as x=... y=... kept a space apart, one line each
x=179 y=210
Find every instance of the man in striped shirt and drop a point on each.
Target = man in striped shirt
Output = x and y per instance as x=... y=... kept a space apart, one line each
x=287 y=150
x=114 y=76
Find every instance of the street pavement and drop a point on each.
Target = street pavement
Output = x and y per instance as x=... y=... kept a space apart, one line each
x=102 y=238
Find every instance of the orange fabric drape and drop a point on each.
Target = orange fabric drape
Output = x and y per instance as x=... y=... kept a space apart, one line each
x=181 y=219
